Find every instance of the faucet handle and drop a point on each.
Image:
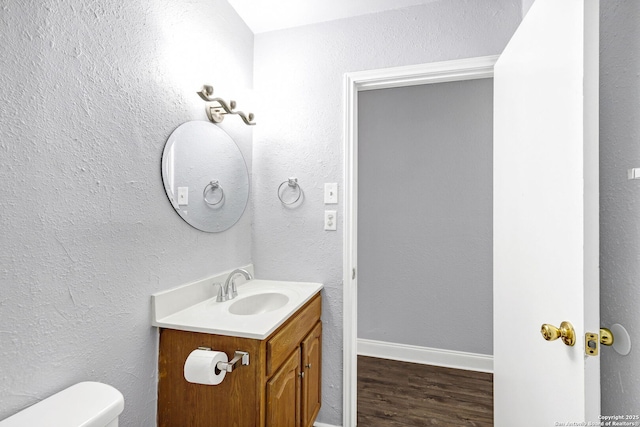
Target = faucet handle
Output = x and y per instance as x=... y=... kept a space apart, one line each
x=222 y=295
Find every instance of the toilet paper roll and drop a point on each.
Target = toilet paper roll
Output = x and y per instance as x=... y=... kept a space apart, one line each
x=200 y=367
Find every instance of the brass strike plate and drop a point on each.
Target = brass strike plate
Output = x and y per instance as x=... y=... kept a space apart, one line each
x=591 y=344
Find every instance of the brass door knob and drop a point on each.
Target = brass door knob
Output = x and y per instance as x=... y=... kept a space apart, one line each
x=606 y=336
x=565 y=331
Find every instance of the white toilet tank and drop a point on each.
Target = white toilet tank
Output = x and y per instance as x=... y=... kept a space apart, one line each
x=86 y=404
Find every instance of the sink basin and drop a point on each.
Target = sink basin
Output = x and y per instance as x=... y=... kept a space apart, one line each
x=259 y=309
x=259 y=303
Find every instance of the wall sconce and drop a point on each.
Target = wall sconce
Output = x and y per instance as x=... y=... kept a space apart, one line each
x=217 y=108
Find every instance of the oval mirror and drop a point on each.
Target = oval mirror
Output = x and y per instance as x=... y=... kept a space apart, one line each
x=205 y=176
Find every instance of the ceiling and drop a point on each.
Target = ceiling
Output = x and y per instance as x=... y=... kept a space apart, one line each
x=269 y=15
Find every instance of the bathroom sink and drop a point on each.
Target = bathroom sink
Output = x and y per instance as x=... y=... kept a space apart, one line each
x=259 y=309
x=258 y=304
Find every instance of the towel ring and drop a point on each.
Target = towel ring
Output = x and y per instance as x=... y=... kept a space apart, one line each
x=213 y=185
x=293 y=183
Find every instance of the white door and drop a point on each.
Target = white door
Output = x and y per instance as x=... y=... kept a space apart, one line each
x=546 y=216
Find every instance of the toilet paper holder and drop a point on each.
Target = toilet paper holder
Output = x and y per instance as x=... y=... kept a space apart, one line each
x=239 y=356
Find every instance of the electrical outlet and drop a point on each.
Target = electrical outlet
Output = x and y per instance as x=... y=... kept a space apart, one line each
x=330 y=220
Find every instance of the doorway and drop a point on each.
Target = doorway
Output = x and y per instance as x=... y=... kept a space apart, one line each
x=425 y=195
x=451 y=71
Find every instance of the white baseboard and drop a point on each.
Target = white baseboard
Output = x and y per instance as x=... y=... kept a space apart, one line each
x=426 y=355
x=323 y=425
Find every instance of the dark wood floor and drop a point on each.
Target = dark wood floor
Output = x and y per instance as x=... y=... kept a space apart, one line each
x=400 y=394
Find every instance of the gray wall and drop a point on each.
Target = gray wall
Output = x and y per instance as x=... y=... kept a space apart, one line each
x=425 y=195
x=90 y=93
x=620 y=199
x=299 y=74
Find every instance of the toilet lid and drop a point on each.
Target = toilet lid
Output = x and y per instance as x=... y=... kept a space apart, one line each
x=86 y=404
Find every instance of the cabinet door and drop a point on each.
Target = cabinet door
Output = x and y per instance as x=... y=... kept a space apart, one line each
x=311 y=362
x=283 y=394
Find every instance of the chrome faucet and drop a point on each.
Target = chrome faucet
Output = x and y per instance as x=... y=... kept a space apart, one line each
x=224 y=293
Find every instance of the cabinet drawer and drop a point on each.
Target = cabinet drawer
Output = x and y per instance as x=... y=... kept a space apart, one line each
x=289 y=336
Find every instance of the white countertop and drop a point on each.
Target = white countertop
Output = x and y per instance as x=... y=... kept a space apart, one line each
x=211 y=317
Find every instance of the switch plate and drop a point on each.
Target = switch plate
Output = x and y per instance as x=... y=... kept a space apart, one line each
x=183 y=196
x=330 y=193
x=330 y=220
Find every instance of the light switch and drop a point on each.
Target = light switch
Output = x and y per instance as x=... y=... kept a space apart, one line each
x=330 y=220
x=330 y=193
x=183 y=196
x=631 y=173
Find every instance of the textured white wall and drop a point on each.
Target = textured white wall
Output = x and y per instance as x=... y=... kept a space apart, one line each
x=620 y=199
x=90 y=92
x=298 y=77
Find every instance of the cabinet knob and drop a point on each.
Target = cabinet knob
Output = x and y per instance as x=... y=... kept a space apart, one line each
x=308 y=366
x=301 y=374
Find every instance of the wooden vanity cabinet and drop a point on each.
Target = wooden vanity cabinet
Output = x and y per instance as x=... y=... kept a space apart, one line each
x=281 y=387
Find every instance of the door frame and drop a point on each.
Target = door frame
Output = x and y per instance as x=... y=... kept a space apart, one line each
x=435 y=72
